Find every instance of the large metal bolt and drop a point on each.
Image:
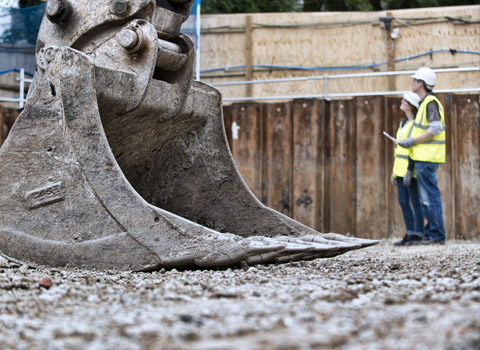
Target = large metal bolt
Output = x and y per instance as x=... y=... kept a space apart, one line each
x=57 y=11
x=120 y=7
x=54 y=8
x=49 y=54
x=128 y=39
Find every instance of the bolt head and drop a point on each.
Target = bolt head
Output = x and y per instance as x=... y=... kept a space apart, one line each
x=49 y=54
x=120 y=7
x=127 y=38
x=54 y=8
x=57 y=11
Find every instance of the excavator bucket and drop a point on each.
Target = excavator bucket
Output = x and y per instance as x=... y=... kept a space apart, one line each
x=120 y=161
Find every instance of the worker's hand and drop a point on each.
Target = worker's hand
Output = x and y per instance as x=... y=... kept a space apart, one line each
x=407 y=143
x=393 y=180
x=407 y=179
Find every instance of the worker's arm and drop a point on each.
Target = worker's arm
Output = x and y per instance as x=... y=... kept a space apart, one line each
x=435 y=127
x=426 y=136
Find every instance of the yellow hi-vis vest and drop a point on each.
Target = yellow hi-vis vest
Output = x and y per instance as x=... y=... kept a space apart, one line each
x=433 y=150
x=400 y=164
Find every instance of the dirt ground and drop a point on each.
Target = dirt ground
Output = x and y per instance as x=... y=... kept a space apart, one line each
x=378 y=298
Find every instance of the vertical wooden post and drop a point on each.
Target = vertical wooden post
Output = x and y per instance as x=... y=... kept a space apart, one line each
x=467 y=187
x=320 y=180
x=393 y=116
x=249 y=54
x=340 y=170
x=277 y=178
x=452 y=134
x=390 y=48
x=446 y=172
x=246 y=143
x=370 y=167
x=305 y=156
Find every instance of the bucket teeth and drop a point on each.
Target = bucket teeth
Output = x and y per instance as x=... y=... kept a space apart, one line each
x=120 y=161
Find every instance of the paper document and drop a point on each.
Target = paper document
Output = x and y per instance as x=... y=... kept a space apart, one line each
x=390 y=137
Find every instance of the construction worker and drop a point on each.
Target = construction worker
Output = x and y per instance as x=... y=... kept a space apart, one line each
x=404 y=177
x=426 y=146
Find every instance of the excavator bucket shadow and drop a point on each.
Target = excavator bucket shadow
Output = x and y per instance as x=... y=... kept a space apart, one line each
x=120 y=161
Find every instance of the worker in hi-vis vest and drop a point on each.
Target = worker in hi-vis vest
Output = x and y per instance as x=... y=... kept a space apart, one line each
x=426 y=146
x=403 y=173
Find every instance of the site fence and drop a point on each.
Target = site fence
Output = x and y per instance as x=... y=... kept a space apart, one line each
x=328 y=165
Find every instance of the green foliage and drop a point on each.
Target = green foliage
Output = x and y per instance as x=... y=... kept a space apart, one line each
x=28 y=3
x=252 y=6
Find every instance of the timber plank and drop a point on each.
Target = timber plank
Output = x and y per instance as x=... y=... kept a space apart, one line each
x=340 y=163
x=246 y=143
x=467 y=186
x=305 y=160
x=277 y=187
x=370 y=167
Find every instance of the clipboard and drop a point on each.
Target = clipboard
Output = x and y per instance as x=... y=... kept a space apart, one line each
x=390 y=137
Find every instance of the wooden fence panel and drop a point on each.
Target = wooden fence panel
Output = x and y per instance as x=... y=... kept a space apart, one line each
x=339 y=185
x=246 y=143
x=395 y=223
x=333 y=156
x=277 y=186
x=305 y=161
x=467 y=186
x=370 y=167
x=445 y=171
x=320 y=183
x=7 y=119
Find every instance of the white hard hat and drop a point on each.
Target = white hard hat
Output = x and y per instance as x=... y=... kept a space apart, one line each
x=412 y=98
x=427 y=75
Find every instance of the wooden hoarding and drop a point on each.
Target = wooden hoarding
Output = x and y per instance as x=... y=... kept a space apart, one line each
x=328 y=165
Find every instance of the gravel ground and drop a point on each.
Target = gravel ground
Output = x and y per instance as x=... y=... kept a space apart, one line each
x=382 y=297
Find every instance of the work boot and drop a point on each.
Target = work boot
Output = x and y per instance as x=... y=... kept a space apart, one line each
x=402 y=242
x=409 y=239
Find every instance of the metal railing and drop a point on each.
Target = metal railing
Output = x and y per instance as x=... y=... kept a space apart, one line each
x=23 y=80
x=326 y=79
x=21 y=93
